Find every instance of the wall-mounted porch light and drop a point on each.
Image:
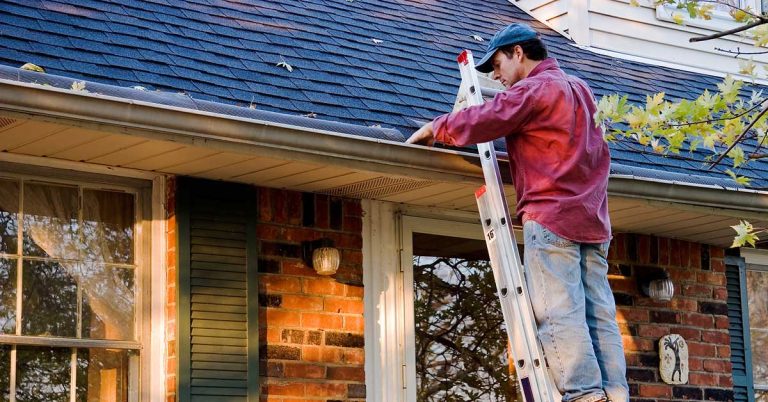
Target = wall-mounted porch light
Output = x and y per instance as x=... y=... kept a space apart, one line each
x=322 y=256
x=655 y=283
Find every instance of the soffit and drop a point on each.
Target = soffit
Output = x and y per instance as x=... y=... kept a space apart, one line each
x=59 y=141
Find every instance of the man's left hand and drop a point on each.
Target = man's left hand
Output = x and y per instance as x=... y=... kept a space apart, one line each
x=423 y=136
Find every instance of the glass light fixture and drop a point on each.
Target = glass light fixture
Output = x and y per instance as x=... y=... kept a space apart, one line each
x=325 y=260
x=661 y=289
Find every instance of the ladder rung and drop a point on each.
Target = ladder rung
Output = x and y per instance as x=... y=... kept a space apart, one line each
x=490 y=92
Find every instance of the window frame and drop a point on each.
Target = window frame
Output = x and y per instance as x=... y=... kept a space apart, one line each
x=755 y=260
x=385 y=227
x=142 y=214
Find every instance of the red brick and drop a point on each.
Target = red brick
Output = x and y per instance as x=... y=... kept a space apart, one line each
x=704 y=321
x=355 y=291
x=353 y=208
x=675 y=253
x=717 y=265
x=712 y=278
x=294 y=267
x=652 y=331
x=354 y=323
x=322 y=220
x=695 y=364
x=644 y=249
x=294 y=205
x=321 y=321
x=655 y=391
x=680 y=276
x=637 y=344
x=279 y=284
x=664 y=250
x=296 y=302
x=724 y=351
x=689 y=334
x=280 y=206
x=352 y=257
x=620 y=240
x=703 y=379
x=265 y=205
x=681 y=304
x=720 y=294
x=269 y=232
x=343 y=306
x=326 y=390
x=632 y=315
x=623 y=285
x=726 y=381
x=286 y=389
x=353 y=224
x=695 y=262
x=721 y=322
x=353 y=356
x=718 y=337
x=271 y=317
x=716 y=252
x=323 y=287
x=717 y=366
x=304 y=370
x=701 y=349
x=697 y=290
x=346 y=374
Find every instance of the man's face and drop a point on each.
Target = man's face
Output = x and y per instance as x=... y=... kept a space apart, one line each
x=508 y=68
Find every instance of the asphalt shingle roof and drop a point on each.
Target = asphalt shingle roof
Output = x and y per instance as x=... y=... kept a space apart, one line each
x=227 y=51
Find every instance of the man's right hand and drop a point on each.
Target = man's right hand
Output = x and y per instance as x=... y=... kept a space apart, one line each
x=423 y=136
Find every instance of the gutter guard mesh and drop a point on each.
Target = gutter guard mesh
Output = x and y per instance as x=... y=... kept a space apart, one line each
x=181 y=100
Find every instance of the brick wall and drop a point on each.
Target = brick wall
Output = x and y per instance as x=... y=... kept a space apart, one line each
x=698 y=312
x=170 y=291
x=311 y=327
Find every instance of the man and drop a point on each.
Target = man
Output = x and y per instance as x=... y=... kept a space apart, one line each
x=560 y=165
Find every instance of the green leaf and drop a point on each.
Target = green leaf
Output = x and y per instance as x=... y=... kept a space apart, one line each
x=745 y=233
x=737 y=154
x=744 y=181
x=729 y=88
x=32 y=67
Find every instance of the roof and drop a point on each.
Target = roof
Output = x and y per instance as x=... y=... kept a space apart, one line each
x=388 y=63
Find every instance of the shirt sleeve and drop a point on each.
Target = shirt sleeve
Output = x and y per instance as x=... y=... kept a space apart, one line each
x=506 y=114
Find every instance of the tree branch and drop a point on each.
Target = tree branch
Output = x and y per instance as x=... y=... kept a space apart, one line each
x=710 y=121
x=738 y=51
x=760 y=21
x=739 y=138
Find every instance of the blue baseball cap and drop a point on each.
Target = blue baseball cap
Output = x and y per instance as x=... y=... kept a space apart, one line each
x=512 y=34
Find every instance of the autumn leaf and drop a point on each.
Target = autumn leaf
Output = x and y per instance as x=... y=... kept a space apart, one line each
x=32 y=67
x=745 y=233
x=677 y=18
x=78 y=86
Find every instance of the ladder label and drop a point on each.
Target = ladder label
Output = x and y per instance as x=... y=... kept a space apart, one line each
x=490 y=236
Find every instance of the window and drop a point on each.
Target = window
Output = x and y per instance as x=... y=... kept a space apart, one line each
x=721 y=17
x=757 y=300
x=69 y=292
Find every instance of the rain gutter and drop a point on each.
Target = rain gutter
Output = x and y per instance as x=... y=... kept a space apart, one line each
x=292 y=142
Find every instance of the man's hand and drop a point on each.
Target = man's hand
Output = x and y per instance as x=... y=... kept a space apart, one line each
x=423 y=136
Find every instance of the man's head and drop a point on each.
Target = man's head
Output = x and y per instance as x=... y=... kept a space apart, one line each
x=512 y=54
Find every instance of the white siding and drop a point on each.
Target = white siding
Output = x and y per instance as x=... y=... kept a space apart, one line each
x=616 y=26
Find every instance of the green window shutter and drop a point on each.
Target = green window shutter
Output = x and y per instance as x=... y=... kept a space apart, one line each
x=738 y=319
x=218 y=293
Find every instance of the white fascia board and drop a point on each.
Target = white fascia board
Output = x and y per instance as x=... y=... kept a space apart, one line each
x=675 y=66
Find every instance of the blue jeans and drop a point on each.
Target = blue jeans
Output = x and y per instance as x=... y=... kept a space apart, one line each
x=576 y=315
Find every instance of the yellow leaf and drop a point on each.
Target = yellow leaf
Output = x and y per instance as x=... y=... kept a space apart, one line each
x=678 y=18
x=747 y=67
x=78 y=86
x=745 y=233
x=634 y=3
x=32 y=67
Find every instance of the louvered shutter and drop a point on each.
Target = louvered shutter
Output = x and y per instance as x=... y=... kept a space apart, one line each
x=738 y=319
x=218 y=344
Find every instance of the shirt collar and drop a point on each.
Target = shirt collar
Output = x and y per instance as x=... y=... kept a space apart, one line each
x=547 y=64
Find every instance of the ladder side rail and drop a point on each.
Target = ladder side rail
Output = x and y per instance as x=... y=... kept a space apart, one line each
x=510 y=281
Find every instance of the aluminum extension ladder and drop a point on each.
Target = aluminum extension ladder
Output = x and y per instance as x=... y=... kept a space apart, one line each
x=532 y=373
